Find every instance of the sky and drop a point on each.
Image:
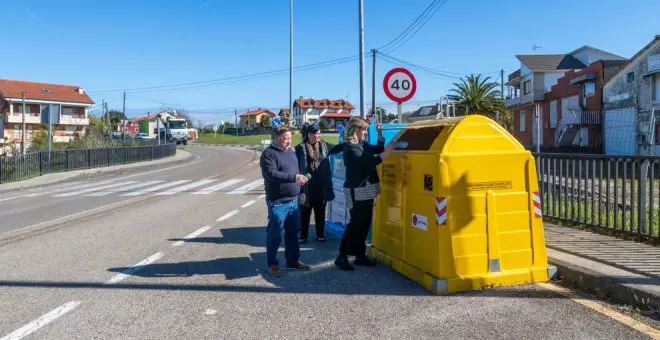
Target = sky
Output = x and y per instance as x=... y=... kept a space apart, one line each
x=108 y=47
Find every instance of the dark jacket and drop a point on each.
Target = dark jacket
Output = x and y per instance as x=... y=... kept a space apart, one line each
x=323 y=173
x=279 y=169
x=360 y=161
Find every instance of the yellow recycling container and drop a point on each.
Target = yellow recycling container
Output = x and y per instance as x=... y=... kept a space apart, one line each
x=459 y=208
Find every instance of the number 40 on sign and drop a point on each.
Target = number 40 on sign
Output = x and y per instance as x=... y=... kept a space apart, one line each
x=399 y=85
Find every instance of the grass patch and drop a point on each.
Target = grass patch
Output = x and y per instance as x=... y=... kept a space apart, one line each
x=210 y=138
x=619 y=221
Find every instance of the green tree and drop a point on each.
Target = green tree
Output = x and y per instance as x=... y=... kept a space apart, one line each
x=477 y=95
x=264 y=121
x=115 y=118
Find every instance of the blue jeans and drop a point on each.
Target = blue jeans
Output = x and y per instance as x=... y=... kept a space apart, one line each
x=283 y=215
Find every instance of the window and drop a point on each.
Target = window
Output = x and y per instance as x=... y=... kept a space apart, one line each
x=631 y=77
x=523 y=122
x=527 y=86
x=30 y=109
x=588 y=90
x=657 y=134
x=67 y=111
x=553 y=114
x=656 y=87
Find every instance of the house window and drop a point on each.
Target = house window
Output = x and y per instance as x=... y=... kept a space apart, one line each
x=656 y=87
x=553 y=114
x=527 y=86
x=30 y=109
x=67 y=111
x=589 y=89
x=523 y=126
x=631 y=77
x=657 y=134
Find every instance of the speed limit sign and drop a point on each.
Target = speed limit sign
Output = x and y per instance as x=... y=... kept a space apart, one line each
x=399 y=85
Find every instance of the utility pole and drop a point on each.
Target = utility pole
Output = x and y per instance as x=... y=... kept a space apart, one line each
x=123 y=132
x=361 y=34
x=501 y=91
x=23 y=128
x=236 y=120
x=373 y=86
x=290 y=58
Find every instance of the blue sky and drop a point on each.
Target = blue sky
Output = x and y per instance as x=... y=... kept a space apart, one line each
x=127 y=44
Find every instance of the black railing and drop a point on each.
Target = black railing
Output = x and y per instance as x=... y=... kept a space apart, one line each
x=18 y=168
x=616 y=193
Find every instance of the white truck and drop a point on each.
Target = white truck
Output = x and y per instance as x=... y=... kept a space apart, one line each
x=176 y=129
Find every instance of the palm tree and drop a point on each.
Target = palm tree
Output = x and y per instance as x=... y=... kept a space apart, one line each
x=478 y=96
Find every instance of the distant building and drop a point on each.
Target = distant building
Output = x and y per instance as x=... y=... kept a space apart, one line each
x=631 y=97
x=314 y=110
x=65 y=106
x=252 y=119
x=530 y=86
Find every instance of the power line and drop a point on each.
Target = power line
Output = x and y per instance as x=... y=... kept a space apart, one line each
x=229 y=80
x=429 y=70
x=415 y=27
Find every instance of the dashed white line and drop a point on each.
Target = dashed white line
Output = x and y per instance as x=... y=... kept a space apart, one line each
x=69 y=194
x=261 y=196
x=227 y=215
x=191 y=236
x=156 y=188
x=129 y=271
x=186 y=187
x=124 y=188
x=246 y=188
x=8 y=198
x=217 y=187
x=249 y=203
x=41 y=321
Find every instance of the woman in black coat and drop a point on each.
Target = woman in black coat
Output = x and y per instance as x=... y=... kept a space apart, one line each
x=313 y=159
x=361 y=187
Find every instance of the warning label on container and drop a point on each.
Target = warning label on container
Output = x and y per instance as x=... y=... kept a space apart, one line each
x=493 y=185
x=420 y=221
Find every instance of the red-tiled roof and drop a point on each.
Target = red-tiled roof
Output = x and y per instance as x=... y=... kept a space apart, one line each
x=257 y=112
x=321 y=104
x=284 y=111
x=43 y=91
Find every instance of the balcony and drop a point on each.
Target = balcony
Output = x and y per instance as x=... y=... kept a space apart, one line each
x=30 y=118
x=511 y=102
x=578 y=117
x=74 y=120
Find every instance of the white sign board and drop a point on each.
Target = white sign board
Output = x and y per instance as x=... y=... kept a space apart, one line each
x=420 y=221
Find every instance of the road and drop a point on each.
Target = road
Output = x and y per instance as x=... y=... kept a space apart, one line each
x=104 y=257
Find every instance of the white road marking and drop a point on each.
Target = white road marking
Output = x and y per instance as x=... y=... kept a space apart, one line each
x=261 y=196
x=191 y=236
x=156 y=188
x=8 y=198
x=210 y=311
x=124 y=188
x=227 y=215
x=186 y=187
x=41 y=321
x=217 y=187
x=84 y=191
x=607 y=311
x=134 y=269
x=246 y=188
x=69 y=186
x=248 y=204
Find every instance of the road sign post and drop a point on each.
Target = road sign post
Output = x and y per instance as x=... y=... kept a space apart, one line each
x=400 y=86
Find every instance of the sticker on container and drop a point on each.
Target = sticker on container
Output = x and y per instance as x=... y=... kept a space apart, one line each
x=493 y=185
x=420 y=221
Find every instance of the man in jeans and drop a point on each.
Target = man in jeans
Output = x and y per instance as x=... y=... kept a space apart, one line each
x=279 y=168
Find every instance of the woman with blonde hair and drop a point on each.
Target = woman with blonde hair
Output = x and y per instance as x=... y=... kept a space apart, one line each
x=361 y=187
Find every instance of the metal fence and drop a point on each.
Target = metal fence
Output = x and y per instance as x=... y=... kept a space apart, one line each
x=616 y=193
x=35 y=164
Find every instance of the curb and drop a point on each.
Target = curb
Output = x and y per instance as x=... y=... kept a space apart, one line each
x=608 y=287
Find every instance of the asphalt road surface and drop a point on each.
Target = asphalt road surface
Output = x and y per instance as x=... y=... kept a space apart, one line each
x=178 y=252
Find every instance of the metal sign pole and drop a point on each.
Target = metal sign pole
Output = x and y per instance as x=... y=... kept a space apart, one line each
x=399 y=112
